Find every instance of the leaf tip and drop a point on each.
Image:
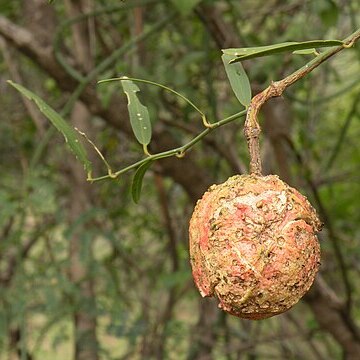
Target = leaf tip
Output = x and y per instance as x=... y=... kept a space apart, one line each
x=12 y=83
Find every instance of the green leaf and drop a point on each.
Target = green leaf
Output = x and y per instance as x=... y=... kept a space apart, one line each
x=305 y=52
x=185 y=6
x=238 y=80
x=139 y=114
x=70 y=135
x=138 y=179
x=254 y=52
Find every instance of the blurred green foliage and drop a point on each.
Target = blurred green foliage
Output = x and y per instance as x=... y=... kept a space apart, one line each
x=125 y=247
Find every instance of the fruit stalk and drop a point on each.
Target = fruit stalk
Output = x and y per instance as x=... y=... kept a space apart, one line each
x=252 y=128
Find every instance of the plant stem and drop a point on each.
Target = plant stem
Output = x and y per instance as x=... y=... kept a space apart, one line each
x=179 y=151
x=102 y=66
x=122 y=78
x=252 y=128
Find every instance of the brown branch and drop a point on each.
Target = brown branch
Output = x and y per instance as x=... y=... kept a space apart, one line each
x=5 y=231
x=324 y=215
x=15 y=340
x=166 y=314
x=10 y=58
x=225 y=151
x=221 y=32
x=330 y=314
x=80 y=197
x=19 y=255
x=138 y=28
x=114 y=114
x=252 y=128
x=24 y=41
x=164 y=206
x=306 y=335
x=15 y=259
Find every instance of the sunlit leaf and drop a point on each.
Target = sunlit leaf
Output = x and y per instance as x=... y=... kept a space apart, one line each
x=69 y=133
x=254 y=52
x=136 y=185
x=238 y=80
x=138 y=113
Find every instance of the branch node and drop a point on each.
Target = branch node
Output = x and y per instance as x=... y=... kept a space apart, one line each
x=180 y=154
x=349 y=44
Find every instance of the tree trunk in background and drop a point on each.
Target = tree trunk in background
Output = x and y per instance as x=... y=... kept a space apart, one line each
x=204 y=333
x=40 y=19
x=86 y=345
x=331 y=315
x=85 y=310
x=277 y=129
x=328 y=309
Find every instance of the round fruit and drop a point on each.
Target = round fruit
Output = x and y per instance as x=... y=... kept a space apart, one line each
x=253 y=245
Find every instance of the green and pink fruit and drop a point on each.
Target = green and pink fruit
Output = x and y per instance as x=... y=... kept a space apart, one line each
x=253 y=245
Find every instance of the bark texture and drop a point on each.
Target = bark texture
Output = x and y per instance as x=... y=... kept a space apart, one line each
x=253 y=245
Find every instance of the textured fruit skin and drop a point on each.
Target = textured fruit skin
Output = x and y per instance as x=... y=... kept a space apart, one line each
x=253 y=245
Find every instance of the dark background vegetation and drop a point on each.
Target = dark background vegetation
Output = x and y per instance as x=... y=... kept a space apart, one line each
x=87 y=274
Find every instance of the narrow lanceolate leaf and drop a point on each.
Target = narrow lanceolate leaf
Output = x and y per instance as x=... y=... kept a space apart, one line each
x=139 y=114
x=254 y=52
x=138 y=179
x=238 y=80
x=70 y=135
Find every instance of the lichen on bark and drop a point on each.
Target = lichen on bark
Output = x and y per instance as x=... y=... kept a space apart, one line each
x=253 y=245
